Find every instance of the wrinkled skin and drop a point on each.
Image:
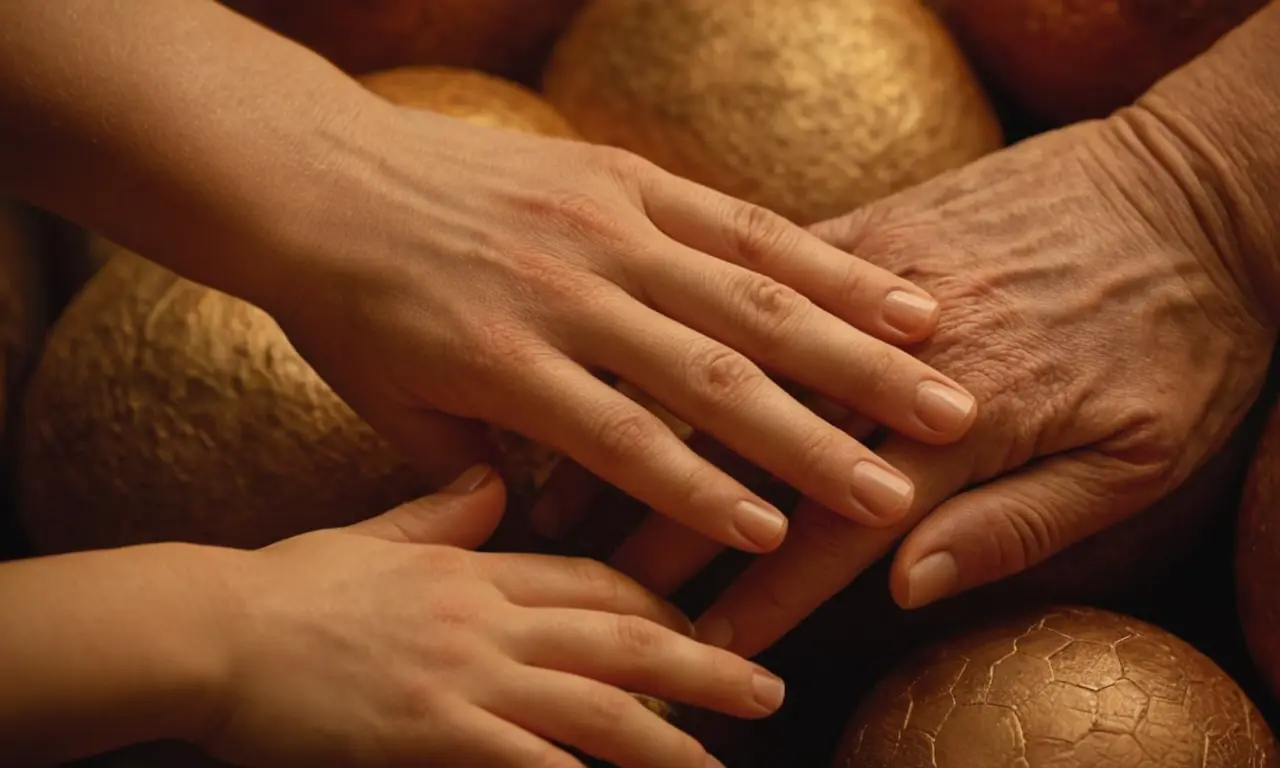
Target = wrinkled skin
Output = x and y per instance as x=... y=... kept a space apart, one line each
x=1089 y=304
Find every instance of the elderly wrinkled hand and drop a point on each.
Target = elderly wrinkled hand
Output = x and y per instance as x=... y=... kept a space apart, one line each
x=1092 y=303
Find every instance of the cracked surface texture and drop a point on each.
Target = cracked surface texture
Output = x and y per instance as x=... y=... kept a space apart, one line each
x=808 y=107
x=1258 y=555
x=1068 y=60
x=1058 y=688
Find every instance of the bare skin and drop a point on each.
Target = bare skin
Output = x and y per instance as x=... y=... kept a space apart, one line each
x=387 y=642
x=1110 y=292
x=425 y=265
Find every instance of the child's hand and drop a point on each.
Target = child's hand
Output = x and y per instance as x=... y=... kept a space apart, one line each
x=387 y=644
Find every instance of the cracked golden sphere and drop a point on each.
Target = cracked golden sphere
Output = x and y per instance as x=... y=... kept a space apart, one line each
x=808 y=107
x=1058 y=688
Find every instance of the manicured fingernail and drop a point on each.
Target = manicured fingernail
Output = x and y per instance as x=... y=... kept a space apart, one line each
x=715 y=631
x=882 y=494
x=931 y=578
x=471 y=480
x=941 y=408
x=714 y=763
x=762 y=526
x=768 y=690
x=908 y=312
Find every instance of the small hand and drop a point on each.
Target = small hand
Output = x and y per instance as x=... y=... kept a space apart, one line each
x=384 y=643
x=1087 y=304
x=488 y=274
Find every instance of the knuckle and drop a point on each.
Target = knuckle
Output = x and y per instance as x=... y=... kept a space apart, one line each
x=607 y=706
x=637 y=637
x=773 y=309
x=1023 y=536
x=424 y=700
x=597 y=580
x=871 y=378
x=619 y=163
x=760 y=235
x=626 y=432
x=813 y=459
x=853 y=287
x=685 y=751
x=720 y=377
x=577 y=210
x=547 y=756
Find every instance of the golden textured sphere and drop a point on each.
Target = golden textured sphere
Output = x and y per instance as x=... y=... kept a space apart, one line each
x=1069 y=60
x=1258 y=555
x=1058 y=688
x=504 y=37
x=165 y=410
x=472 y=96
x=807 y=107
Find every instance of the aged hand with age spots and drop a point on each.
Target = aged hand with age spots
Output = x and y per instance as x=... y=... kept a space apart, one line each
x=1108 y=293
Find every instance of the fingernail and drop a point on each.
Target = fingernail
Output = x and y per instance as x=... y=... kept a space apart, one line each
x=762 y=526
x=908 y=312
x=942 y=408
x=715 y=631
x=882 y=494
x=470 y=481
x=931 y=579
x=768 y=689
x=714 y=763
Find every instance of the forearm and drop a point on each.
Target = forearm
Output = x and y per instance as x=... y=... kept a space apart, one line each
x=103 y=649
x=178 y=129
x=1223 y=112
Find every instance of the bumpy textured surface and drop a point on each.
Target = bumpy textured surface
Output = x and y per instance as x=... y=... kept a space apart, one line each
x=1069 y=60
x=472 y=96
x=808 y=107
x=1258 y=555
x=505 y=37
x=1062 y=687
x=164 y=410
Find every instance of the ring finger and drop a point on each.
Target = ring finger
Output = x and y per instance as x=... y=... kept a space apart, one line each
x=596 y=719
x=721 y=392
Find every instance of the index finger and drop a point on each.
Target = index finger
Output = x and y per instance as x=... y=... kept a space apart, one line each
x=823 y=553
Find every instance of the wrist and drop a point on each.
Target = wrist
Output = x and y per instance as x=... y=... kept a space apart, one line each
x=1211 y=128
x=108 y=649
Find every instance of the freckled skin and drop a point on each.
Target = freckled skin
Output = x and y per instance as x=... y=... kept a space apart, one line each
x=1062 y=687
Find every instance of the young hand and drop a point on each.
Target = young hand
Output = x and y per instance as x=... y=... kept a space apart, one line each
x=388 y=643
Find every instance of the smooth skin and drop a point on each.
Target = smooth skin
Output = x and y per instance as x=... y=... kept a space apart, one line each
x=1111 y=294
x=384 y=643
x=424 y=265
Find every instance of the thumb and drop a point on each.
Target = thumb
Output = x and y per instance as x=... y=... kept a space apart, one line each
x=1012 y=523
x=463 y=514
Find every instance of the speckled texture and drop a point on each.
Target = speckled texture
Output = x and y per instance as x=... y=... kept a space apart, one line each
x=1069 y=60
x=1060 y=687
x=505 y=37
x=1258 y=555
x=808 y=107
x=472 y=96
x=164 y=410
